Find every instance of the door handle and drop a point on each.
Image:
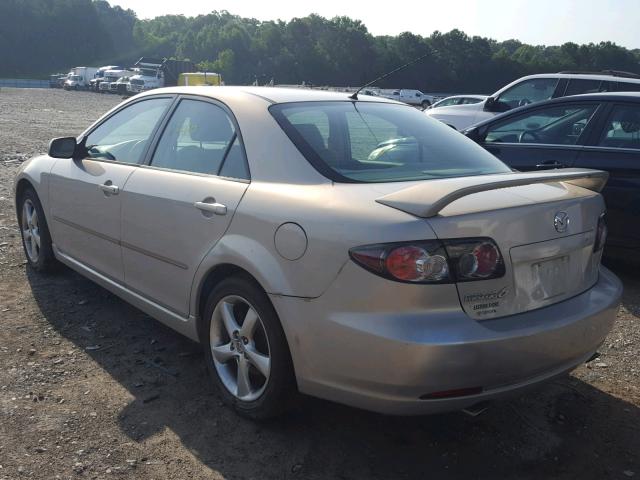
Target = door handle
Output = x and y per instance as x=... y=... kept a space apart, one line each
x=217 y=208
x=109 y=188
x=550 y=165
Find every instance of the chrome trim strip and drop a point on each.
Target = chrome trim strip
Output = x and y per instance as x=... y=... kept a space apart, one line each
x=86 y=230
x=175 y=263
x=598 y=148
x=134 y=248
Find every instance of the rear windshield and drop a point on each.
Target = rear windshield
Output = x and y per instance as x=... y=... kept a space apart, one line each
x=380 y=142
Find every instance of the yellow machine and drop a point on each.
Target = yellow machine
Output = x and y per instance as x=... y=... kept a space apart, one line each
x=199 y=78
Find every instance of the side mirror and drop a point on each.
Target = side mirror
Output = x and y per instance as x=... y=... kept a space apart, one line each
x=489 y=104
x=477 y=134
x=471 y=133
x=63 y=147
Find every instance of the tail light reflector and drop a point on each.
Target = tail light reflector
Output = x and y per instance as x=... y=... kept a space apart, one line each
x=601 y=234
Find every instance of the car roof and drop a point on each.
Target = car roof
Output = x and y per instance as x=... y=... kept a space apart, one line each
x=270 y=94
x=599 y=97
x=471 y=95
x=585 y=76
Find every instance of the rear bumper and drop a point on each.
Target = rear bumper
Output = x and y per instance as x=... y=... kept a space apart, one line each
x=385 y=360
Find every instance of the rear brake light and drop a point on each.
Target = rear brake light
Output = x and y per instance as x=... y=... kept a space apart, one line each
x=475 y=259
x=601 y=234
x=433 y=261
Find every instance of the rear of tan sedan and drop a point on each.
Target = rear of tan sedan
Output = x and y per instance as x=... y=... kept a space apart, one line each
x=401 y=348
x=475 y=283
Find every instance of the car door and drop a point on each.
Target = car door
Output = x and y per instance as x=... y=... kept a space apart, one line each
x=85 y=193
x=179 y=205
x=544 y=137
x=615 y=147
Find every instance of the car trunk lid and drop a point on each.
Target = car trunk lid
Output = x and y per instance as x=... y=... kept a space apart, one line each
x=545 y=233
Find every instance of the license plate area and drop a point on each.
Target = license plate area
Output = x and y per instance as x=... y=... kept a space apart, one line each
x=550 y=278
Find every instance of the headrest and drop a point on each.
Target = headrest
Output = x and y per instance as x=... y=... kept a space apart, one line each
x=312 y=135
x=630 y=120
x=212 y=128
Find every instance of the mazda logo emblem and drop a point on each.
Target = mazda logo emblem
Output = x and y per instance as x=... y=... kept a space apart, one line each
x=561 y=222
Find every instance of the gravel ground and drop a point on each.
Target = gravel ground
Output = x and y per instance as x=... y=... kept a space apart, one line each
x=93 y=388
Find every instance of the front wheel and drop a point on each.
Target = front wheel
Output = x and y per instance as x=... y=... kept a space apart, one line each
x=426 y=104
x=36 y=239
x=246 y=350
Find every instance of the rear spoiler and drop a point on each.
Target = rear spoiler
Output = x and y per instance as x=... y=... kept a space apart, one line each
x=429 y=197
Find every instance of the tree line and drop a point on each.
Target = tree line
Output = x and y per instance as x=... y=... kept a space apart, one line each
x=38 y=37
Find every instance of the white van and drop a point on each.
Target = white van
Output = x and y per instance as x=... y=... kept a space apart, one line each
x=535 y=88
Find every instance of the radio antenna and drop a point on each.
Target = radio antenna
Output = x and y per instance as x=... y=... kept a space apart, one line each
x=355 y=94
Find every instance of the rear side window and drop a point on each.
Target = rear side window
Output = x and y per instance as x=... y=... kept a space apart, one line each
x=380 y=142
x=622 y=129
x=628 y=87
x=578 y=86
x=199 y=138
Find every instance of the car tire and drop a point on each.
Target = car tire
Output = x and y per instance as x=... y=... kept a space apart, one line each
x=426 y=104
x=253 y=352
x=34 y=231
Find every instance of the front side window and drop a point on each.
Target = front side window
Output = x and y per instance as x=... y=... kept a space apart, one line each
x=622 y=129
x=197 y=139
x=378 y=142
x=526 y=92
x=124 y=136
x=554 y=125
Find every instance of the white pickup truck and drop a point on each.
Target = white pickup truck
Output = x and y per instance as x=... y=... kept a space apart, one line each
x=412 y=97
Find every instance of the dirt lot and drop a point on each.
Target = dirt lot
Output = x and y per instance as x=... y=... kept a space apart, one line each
x=93 y=388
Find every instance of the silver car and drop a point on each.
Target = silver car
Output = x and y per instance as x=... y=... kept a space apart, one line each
x=350 y=249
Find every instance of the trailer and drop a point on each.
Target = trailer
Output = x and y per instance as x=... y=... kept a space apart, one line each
x=199 y=78
x=156 y=73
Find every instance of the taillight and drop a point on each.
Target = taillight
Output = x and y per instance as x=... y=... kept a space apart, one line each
x=433 y=261
x=601 y=234
x=475 y=259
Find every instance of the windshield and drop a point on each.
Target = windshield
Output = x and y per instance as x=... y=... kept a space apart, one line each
x=380 y=142
x=74 y=78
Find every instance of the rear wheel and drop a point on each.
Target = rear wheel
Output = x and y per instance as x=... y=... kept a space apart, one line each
x=36 y=239
x=246 y=350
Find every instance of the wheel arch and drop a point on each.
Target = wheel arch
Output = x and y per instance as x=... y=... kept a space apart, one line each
x=22 y=185
x=211 y=279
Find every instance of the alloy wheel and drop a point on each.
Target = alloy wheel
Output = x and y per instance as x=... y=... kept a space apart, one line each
x=30 y=230
x=240 y=348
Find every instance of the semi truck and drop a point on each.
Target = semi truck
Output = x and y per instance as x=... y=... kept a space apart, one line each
x=120 y=86
x=79 y=78
x=112 y=76
x=94 y=83
x=152 y=73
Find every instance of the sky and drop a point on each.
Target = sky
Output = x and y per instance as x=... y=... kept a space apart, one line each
x=539 y=22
